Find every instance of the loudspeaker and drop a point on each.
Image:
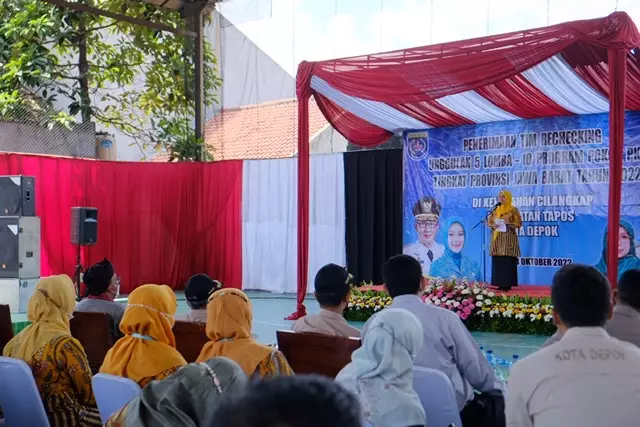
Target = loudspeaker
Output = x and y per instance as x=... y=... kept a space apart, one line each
x=20 y=247
x=84 y=226
x=17 y=196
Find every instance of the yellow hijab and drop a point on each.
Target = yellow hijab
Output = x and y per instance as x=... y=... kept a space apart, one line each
x=149 y=346
x=50 y=308
x=504 y=209
x=229 y=320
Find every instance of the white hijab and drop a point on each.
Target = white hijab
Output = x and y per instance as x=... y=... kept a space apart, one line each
x=380 y=372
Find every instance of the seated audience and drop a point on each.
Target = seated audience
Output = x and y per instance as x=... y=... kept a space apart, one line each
x=229 y=319
x=187 y=398
x=587 y=379
x=625 y=322
x=448 y=345
x=57 y=360
x=298 y=401
x=103 y=286
x=381 y=371
x=148 y=349
x=333 y=289
x=197 y=292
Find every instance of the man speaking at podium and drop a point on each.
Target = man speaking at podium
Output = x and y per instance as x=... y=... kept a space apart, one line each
x=505 y=220
x=427 y=219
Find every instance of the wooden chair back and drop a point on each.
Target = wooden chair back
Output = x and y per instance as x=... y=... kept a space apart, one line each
x=6 y=328
x=315 y=353
x=190 y=338
x=92 y=330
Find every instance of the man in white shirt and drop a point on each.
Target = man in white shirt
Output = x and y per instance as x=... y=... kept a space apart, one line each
x=426 y=250
x=588 y=378
x=448 y=346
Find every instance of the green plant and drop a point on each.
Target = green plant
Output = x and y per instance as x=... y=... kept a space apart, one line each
x=132 y=78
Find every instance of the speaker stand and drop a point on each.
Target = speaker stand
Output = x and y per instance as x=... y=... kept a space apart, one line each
x=77 y=276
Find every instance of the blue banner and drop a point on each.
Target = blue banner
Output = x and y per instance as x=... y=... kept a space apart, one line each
x=558 y=172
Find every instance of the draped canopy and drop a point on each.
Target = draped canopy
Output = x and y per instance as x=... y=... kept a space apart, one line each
x=579 y=67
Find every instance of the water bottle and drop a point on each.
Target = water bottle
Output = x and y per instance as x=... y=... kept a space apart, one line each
x=502 y=370
x=515 y=359
x=490 y=357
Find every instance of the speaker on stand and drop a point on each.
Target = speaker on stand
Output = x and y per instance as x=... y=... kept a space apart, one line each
x=19 y=241
x=84 y=232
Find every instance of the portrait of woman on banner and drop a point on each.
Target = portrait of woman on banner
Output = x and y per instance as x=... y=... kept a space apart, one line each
x=454 y=264
x=627 y=258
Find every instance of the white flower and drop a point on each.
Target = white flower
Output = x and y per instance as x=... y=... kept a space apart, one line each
x=350 y=305
x=465 y=291
x=428 y=301
x=449 y=302
x=480 y=297
x=508 y=313
x=491 y=294
x=485 y=292
x=491 y=313
x=436 y=301
x=376 y=308
x=476 y=291
x=548 y=318
x=479 y=304
x=488 y=302
x=443 y=299
x=519 y=316
x=456 y=304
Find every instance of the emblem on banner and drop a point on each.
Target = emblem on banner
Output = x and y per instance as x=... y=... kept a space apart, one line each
x=418 y=147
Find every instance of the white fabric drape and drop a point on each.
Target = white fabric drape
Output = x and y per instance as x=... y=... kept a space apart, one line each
x=556 y=79
x=269 y=221
x=377 y=113
x=473 y=106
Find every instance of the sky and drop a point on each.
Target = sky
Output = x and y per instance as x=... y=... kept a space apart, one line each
x=294 y=30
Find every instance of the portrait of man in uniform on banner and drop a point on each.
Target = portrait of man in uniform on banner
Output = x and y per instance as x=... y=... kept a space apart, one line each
x=426 y=214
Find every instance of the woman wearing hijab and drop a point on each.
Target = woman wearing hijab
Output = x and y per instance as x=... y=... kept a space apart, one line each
x=229 y=319
x=505 y=248
x=453 y=264
x=187 y=398
x=627 y=258
x=148 y=350
x=381 y=371
x=57 y=360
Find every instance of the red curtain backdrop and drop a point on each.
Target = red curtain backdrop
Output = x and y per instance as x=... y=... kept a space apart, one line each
x=158 y=223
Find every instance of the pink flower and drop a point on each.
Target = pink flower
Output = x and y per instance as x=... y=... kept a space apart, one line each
x=440 y=294
x=464 y=316
x=450 y=295
x=443 y=305
x=467 y=310
x=470 y=299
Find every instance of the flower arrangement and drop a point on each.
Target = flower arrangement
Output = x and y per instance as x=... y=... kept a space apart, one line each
x=479 y=307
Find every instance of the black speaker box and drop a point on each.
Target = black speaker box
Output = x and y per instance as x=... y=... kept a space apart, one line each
x=84 y=226
x=19 y=247
x=17 y=196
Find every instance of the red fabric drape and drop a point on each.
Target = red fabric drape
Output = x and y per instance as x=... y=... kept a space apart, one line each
x=303 y=195
x=157 y=223
x=617 y=83
x=521 y=98
x=431 y=72
x=352 y=127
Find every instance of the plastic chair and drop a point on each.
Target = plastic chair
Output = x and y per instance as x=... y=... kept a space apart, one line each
x=437 y=396
x=19 y=396
x=112 y=393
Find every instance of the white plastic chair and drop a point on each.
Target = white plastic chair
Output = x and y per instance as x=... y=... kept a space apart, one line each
x=437 y=396
x=19 y=396
x=112 y=393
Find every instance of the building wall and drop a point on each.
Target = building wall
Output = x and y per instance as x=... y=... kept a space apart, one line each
x=29 y=138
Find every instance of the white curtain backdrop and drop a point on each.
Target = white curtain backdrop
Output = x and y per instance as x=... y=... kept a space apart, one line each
x=269 y=221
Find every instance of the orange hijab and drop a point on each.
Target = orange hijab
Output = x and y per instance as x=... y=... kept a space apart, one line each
x=148 y=347
x=229 y=320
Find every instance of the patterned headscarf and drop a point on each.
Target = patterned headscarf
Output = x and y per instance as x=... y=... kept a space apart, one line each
x=188 y=398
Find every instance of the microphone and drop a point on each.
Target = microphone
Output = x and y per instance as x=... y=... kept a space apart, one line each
x=496 y=206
